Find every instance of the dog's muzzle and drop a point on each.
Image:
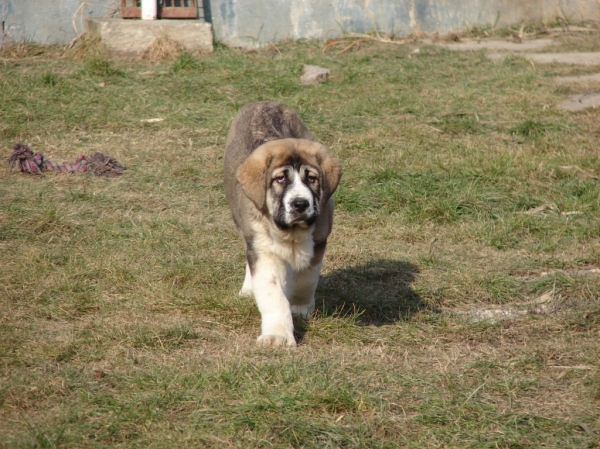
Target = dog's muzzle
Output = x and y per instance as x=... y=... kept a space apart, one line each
x=301 y=212
x=300 y=204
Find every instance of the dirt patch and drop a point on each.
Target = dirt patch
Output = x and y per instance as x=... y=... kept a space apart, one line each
x=589 y=58
x=498 y=45
x=594 y=78
x=580 y=102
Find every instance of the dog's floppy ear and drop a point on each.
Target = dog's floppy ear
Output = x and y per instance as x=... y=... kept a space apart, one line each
x=252 y=176
x=332 y=173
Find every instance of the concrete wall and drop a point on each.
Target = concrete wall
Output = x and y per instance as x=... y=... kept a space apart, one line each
x=248 y=23
x=49 y=21
x=54 y=21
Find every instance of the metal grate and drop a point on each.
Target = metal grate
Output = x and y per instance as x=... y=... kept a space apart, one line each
x=167 y=9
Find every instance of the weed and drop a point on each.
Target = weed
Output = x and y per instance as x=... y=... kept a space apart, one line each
x=531 y=128
x=50 y=79
x=100 y=66
x=185 y=61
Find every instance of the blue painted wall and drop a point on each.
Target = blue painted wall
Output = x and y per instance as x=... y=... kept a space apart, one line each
x=49 y=21
x=57 y=21
x=249 y=23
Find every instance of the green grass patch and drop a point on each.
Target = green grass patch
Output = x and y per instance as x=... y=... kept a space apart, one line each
x=464 y=190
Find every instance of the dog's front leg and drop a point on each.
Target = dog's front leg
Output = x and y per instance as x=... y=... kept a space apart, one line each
x=247 y=286
x=277 y=327
x=301 y=290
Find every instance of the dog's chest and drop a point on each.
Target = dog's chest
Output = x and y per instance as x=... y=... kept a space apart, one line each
x=294 y=248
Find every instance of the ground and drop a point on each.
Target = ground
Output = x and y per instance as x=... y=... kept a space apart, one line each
x=459 y=304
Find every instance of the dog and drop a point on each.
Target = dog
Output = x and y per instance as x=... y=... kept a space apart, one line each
x=278 y=183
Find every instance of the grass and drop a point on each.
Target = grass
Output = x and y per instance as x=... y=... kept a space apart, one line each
x=121 y=325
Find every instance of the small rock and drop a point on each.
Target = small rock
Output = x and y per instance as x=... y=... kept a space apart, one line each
x=493 y=315
x=314 y=74
x=542 y=209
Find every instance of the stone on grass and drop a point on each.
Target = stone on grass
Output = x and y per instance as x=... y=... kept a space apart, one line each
x=313 y=74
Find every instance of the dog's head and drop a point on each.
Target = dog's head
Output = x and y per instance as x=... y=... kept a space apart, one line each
x=290 y=179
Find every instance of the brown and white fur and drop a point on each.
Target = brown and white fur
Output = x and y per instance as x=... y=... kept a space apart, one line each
x=278 y=183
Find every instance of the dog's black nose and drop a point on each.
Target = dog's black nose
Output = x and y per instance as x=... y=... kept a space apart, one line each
x=300 y=204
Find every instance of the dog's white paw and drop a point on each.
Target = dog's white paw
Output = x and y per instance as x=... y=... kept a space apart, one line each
x=245 y=292
x=276 y=340
x=302 y=310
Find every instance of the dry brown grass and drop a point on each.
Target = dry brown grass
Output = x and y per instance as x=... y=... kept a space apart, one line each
x=85 y=47
x=163 y=49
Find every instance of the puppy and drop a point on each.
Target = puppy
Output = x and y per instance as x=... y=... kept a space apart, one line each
x=278 y=183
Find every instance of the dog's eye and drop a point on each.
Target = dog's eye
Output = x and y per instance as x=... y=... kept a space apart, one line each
x=312 y=179
x=279 y=179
